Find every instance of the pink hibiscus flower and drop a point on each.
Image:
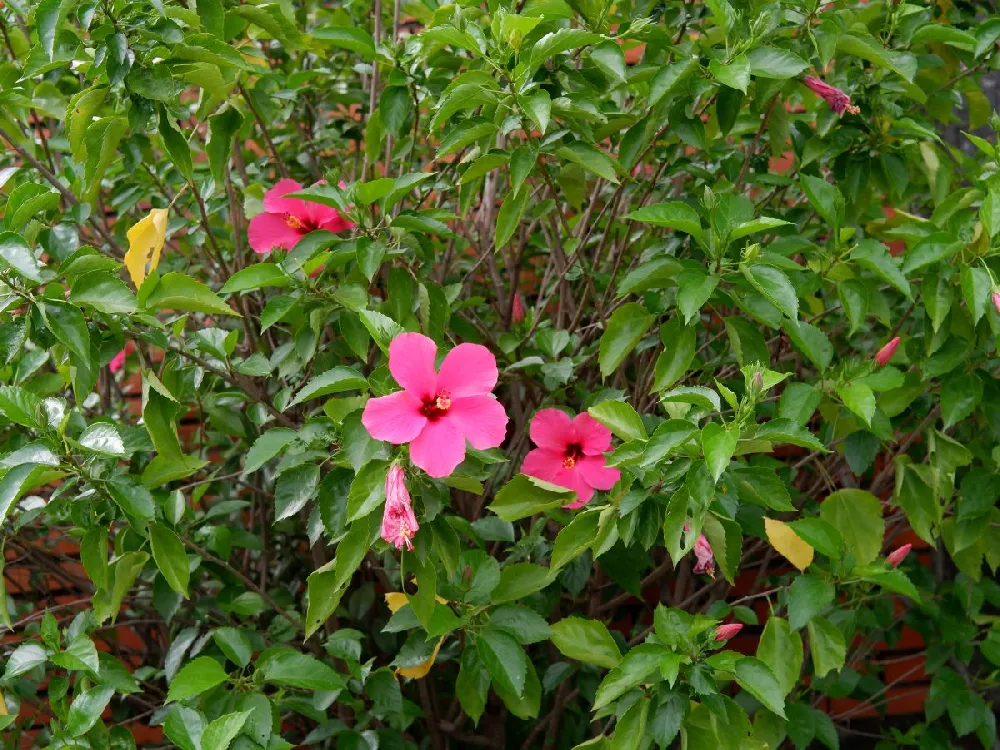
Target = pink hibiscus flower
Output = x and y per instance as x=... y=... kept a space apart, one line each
x=436 y=412
x=287 y=220
x=118 y=361
x=398 y=522
x=705 y=559
x=570 y=454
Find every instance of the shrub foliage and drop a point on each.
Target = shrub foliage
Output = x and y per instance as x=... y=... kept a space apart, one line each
x=454 y=375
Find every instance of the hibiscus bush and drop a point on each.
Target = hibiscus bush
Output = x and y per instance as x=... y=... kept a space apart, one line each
x=549 y=373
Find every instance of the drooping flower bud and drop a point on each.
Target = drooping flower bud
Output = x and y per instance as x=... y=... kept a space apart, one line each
x=898 y=555
x=839 y=101
x=885 y=353
x=118 y=361
x=704 y=557
x=398 y=522
x=996 y=300
x=725 y=632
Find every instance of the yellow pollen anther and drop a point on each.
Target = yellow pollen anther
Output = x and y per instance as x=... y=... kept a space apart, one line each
x=294 y=222
x=569 y=462
x=443 y=402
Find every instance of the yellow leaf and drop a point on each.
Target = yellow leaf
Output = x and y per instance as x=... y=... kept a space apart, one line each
x=3 y=704
x=145 y=241
x=788 y=543
x=396 y=601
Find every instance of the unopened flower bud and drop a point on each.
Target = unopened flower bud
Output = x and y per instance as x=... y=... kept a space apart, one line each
x=885 y=353
x=725 y=632
x=898 y=555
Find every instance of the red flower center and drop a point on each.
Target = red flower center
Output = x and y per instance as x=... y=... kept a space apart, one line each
x=436 y=407
x=294 y=222
x=574 y=452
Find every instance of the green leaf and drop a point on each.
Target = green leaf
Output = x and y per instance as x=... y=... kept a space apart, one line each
x=620 y=418
x=525 y=496
x=826 y=643
x=394 y=106
x=473 y=684
x=134 y=499
x=197 y=676
x=679 y=344
x=86 y=709
x=520 y=580
x=590 y=158
x=773 y=62
x=726 y=540
x=675 y=215
x=867 y=48
x=914 y=493
x=257 y=276
x=775 y=287
x=17 y=255
x=808 y=596
x=25 y=657
x=627 y=326
x=123 y=572
x=756 y=678
x=574 y=539
x=170 y=558
x=634 y=668
x=337 y=380
x=825 y=198
x=854 y=299
x=538 y=107
x=586 y=640
x=669 y=78
x=874 y=256
x=504 y=659
x=694 y=290
x=177 y=146
x=975 y=289
x=184 y=727
x=14 y=483
x=326 y=585
x=509 y=216
x=235 y=644
x=631 y=726
x=103 y=292
x=893 y=580
x=811 y=341
x=367 y=490
x=295 y=488
x=281 y=665
x=101 y=140
x=608 y=56
x=49 y=16
x=562 y=40
x=181 y=293
x=220 y=733
x=266 y=447
x=762 y=487
x=26 y=201
x=735 y=74
x=68 y=325
x=102 y=438
x=353 y=38
x=719 y=445
x=464 y=133
x=857 y=515
x=780 y=648
x=859 y=398
x=933 y=249
x=960 y=395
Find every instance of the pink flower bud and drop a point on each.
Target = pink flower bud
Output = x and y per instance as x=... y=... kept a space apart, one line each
x=704 y=556
x=839 y=101
x=118 y=361
x=885 y=353
x=517 y=313
x=996 y=300
x=898 y=555
x=398 y=522
x=725 y=632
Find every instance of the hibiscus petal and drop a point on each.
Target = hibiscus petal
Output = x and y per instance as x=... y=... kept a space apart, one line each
x=594 y=437
x=544 y=464
x=552 y=429
x=395 y=418
x=276 y=203
x=268 y=231
x=411 y=362
x=336 y=223
x=584 y=494
x=481 y=419
x=596 y=473
x=439 y=448
x=468 y=370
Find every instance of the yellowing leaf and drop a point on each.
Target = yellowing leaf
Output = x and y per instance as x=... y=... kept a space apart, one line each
x=3 y=706
x=396 y=601
x=788 y=543
x=145 y=241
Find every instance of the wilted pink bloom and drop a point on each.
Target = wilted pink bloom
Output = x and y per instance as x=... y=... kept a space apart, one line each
x=398 y=522
x=570 y=454
x=996 y=300
x=287 y=220
x=839 y=101
x=517 y=313
x=436 y=412
x=703 y=554
x=898 y=555
x=885 y=353
x=118 y=361
x=725 y=632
